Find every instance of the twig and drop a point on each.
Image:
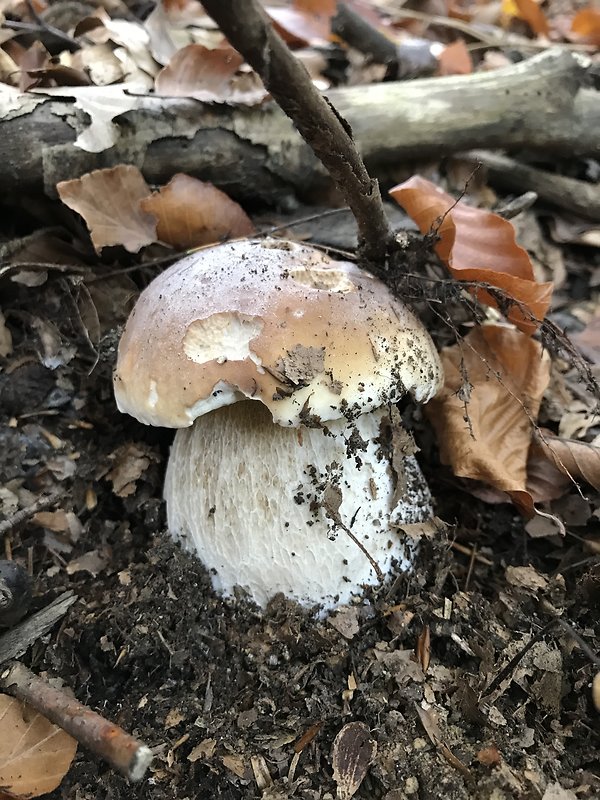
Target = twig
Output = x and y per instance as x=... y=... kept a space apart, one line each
x=25 y=513
x=506 y=671
x=327 y=133
x=20 y=637
x=122 y=751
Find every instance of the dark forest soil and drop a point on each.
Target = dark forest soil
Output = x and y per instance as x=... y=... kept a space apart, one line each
x=241 y=704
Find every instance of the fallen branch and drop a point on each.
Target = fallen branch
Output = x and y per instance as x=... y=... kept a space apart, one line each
x=122 y=751
x=579 y=197
x=256 y=154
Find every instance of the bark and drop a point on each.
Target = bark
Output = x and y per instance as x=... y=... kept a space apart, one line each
x=256 y=155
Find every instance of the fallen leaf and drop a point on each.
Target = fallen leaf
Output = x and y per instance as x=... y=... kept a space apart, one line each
x=483 y=417
x=478 y=246
x=455 y=59
x=429 y=721
x=586 y=26
x=353 y=751
x=109 y=202
x=93 y=562
x=345 y=621
x=554 y=791
x=528 y=11
x=577 y=460
x=203 y=750
x=210 y=76
x=190 y=213
x=130 y=461
x=489 y=756
x=35 y=755
x=526 y=578
x=305 y=22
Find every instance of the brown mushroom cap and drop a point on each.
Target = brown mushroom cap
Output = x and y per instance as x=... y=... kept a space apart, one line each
x=272 y=321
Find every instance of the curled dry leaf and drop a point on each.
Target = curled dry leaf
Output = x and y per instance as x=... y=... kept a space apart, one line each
x=210 y=76
x=109 y=202
x=353 y=751
x=477 y=246
x=35 y=755
x=494 y=382
x=576 y=460
x=455 y=59
x=191 y=213
x=305 y=22
x=586 y=26
x=530 y=12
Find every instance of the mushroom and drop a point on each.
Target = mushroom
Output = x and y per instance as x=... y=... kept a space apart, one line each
x=281 y=367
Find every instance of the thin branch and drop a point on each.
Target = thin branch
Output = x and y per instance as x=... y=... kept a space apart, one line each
x=122 y=751
x=25 y=513
x=327 y=133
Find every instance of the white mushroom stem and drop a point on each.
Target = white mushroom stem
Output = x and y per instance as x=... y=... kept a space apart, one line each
x=304 y=511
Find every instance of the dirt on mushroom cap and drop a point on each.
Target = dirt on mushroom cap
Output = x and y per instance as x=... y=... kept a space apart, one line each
x=273 y=321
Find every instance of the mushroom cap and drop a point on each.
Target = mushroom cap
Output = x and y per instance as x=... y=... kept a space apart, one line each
x=311 y=338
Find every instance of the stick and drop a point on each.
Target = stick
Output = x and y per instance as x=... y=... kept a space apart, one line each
x=580 y=197
x=126 y=754
x=19 y=638
x=25 y=513
x=327 y=133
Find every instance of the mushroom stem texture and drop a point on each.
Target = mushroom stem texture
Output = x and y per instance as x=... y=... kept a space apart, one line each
x=311 y=512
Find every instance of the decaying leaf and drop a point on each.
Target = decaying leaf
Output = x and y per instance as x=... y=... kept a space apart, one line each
x=304 y=22
x=483 y=417
x=190 y=213
x=211 y=76
x=586 y=26
x=109 y=202
x=35 y=755
x=577 y=460
x=130 y=462
x=588 y=340
x=478 y=246
x=5 y=338
x=353 y=751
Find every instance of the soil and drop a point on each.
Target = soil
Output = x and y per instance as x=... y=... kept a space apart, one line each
x=238 y=703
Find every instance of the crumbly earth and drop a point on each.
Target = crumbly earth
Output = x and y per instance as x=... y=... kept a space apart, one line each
x=239 y=704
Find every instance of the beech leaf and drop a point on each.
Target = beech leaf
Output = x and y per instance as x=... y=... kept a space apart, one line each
x=109 y=202
x=210 y=76
x=191 y=213
x=35 y=755
x=573 y=458
x=477 y=246
x=494 y=382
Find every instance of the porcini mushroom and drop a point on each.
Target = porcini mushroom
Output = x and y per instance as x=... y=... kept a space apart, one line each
x=281 y=368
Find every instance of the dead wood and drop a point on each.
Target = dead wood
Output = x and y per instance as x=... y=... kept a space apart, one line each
x=256 y=154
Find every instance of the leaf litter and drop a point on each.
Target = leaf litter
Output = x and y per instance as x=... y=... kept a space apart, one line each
x=243 y=706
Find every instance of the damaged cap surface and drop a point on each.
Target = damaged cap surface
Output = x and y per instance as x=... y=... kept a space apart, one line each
x=273 y=321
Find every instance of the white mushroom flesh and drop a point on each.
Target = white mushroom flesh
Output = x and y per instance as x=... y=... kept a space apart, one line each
x=261 y=504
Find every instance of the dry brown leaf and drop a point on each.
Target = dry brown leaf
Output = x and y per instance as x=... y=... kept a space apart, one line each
x=455 y=59
x=353 y=751
x=191 y=213
x=586 y=26
x=530 y=12
x=109 y=202
x=210 y=76
x=502 y=374
x=478 y=246
x=305 y=22
x=130 y=461
x=544 y=481
x=35 y=755
x=577 y=460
